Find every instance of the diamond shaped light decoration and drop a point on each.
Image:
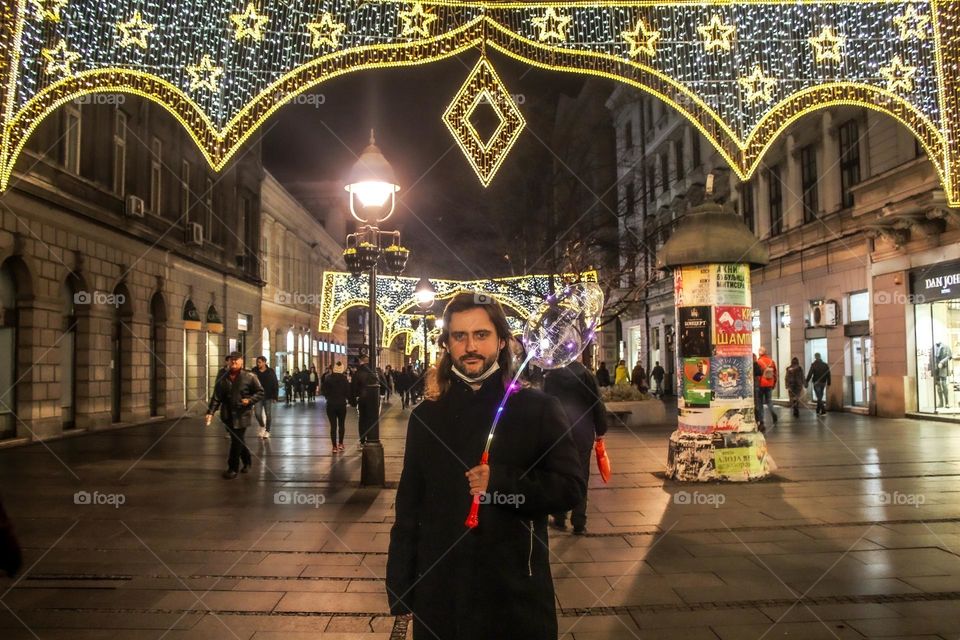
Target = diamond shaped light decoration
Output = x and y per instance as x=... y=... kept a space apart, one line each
x=483 y=86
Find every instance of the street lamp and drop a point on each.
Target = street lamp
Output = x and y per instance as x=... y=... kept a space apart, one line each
x=373 y=183
x=426 y=295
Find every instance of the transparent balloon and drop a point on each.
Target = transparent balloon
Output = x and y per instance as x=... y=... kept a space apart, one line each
x=562 y=326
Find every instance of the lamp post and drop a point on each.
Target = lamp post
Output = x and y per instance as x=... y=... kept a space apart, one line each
x=426 y=295
x=373 y=183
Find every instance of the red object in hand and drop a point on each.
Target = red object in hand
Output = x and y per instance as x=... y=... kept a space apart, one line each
x=473 y=519
x=603 y=461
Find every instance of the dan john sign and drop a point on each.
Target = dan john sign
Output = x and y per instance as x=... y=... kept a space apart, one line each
x=936 y=282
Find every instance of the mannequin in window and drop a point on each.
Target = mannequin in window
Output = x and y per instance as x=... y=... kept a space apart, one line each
x=941 y=371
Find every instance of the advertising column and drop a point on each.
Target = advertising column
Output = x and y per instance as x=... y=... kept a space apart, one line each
x=716 y=436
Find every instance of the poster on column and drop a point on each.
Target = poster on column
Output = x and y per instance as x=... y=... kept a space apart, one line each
x=695 y=332
x=732 y=284
x=730 y=376
x=696 y=382
x=694 y=285
x=732 y=331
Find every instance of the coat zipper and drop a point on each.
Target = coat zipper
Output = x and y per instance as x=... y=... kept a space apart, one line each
x=530 y=555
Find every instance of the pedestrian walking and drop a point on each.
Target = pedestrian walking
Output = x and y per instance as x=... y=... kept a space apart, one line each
x=768 y=382
x=757 y=407
x=793 y=377
x=313 y=381
x=288 y=387
x=820 y=375
x=299 y=384
x=639 y=377
x=365 y=396
x=603 y=375
x=403 y=386
x=11 y=555
x=656 y=374
x=234 y=395
x=388 y=379
x=271 y=393
x=620 y=375
x=492 y=581
x=579 y=395
x=336 y=390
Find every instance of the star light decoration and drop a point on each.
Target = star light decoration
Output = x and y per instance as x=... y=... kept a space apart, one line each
x=587 y=38
x=135 y=31
x=416 y=21
x=717 y=34
x=642 y=39
x=59 y=59
x=249 y=23
x=48 y=9
x=484 y=87
x=758 y=86
x=552 y=25
x=205 y=75
x=898 y=75
x=827 y=46
x=911 y=24
x=327 y=32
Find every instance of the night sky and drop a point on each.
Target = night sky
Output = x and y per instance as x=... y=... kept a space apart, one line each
x=442 y=208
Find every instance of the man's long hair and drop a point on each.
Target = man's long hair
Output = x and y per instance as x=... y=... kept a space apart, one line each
x=464 y=302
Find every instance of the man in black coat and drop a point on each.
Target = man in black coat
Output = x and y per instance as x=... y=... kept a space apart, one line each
x=235 y=394
x=271 y=393
x=365 y=395
x=492 y=581
x=603 y=375
x=577 y=390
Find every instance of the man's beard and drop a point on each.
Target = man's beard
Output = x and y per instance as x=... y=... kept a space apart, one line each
x=487 y=363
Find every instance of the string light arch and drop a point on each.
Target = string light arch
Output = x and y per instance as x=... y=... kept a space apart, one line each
x=741 y=71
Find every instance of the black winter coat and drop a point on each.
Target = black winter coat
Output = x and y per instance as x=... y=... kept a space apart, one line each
x=335 y=389
x=268 y=380
x=493 y=581
x=227 y=397
x=576 y=389
x=365 y=386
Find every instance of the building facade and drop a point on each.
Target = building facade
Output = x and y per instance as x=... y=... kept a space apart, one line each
x=297 y=250
x=862 y=249
x=125 y=266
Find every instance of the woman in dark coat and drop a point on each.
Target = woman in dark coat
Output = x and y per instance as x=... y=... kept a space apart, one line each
x=492 y=581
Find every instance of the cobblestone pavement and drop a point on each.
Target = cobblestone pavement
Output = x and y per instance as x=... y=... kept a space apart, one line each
x=856 y=536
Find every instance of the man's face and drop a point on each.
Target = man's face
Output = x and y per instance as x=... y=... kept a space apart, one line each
x=262 y=365
x=474 y=345
x=236 y=364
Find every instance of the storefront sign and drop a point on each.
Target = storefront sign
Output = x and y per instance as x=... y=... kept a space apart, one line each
x=935 y=282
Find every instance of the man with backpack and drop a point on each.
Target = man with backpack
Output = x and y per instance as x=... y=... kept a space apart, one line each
x=768 y=381
x=820 y=374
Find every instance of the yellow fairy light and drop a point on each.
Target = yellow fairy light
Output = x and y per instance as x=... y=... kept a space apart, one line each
x=204 y=75
x=910 y=23
x=483 y=85
x=249 y=23
x=327 y=32
x=135 y=31
x=827 y=45
x=417 y=21
x=716 y=34
x=48 y=9
x=552 y=25
x=898 y=75
x=59 y=59
x=758 y=86
x=642 y=39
